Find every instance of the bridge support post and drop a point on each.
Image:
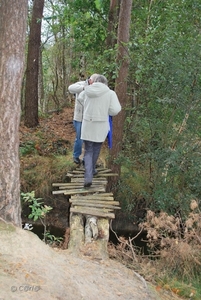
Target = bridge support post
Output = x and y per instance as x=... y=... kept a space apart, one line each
x=76 y=233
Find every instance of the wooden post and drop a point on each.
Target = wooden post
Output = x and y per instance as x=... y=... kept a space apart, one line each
x=76 y=233
x=103 y=237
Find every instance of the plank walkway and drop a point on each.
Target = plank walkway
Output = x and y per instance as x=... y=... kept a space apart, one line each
x=89 y=201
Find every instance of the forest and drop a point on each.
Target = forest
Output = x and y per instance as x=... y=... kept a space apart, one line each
x=149 y=50
x=157 y=79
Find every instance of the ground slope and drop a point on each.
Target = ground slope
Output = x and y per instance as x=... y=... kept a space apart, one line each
x=32 y=270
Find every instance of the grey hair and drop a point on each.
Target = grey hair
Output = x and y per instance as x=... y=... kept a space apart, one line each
x=94 y=76
x=102 y=79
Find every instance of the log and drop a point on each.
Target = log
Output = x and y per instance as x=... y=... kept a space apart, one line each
x=76 y=233
x=103 y=238
x=95 y=205
x=98 y=213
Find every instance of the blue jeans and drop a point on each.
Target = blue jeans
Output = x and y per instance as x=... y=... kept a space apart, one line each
x=91 y=154
x=77 y=150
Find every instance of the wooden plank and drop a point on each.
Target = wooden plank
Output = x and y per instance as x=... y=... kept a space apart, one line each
x=58 y=192
x=60 y=184
x=93 y=209
x=94 y=179
x=92 y=212
x=107 y=174
x=76 y=184
x=69 y=184
x=72 y=186
x=73 y=175
x=99 y=195
x=96 y=196
x=82 y=191
x=81 y=185
x=77 y=172
x=94 y=204
x=104 y=171
x=100 y=201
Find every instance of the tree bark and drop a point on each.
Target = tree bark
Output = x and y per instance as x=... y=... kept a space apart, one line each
x=121 y=85
x=13 y=17
x=112 y=23
x=112 y=34
x=32 y=72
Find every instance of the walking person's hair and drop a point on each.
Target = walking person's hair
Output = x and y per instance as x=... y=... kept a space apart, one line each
x=102 y=79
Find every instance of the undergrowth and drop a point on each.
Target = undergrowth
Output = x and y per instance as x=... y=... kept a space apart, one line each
x=39 y=172
x=174 y=259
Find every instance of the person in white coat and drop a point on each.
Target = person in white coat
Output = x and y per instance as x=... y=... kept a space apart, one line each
x=77 y=88
x=99 y=102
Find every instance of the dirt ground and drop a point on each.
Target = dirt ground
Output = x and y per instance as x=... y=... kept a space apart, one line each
x=32 y=270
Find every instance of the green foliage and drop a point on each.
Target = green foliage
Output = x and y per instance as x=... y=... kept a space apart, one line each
x=38 y=210
x=78 y=30
x=162 y=126
x=51 y=239
x=28 y=148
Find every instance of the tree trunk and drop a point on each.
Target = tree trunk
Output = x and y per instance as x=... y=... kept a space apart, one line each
x=41 y=98
x=13 y=17
x=32 y=72
x=112 y=21
x=112 y=34
x=121 y=85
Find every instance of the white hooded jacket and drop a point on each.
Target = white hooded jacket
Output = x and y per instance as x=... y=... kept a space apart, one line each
x=77 y=88
x=99 y=102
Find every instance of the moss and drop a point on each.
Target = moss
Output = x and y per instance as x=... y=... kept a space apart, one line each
x=6 y=226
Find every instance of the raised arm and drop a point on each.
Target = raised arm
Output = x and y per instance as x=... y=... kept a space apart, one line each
x=77 y=87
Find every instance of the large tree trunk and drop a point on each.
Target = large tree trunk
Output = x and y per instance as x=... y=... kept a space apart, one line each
x=13 y=16
x=32 y=72
x=121 y=84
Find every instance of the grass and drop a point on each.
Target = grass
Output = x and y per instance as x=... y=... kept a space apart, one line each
x=181 y=288
x=39 y=172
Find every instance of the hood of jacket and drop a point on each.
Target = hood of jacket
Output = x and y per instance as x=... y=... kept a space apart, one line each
x=95 y=90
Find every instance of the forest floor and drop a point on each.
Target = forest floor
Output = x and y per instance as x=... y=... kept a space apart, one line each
x=30 y=269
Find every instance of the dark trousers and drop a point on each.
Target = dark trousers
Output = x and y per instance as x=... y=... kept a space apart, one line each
x=91 y=154
x=77 y=149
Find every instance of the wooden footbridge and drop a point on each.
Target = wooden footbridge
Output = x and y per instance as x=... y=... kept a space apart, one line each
x=90 y=210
